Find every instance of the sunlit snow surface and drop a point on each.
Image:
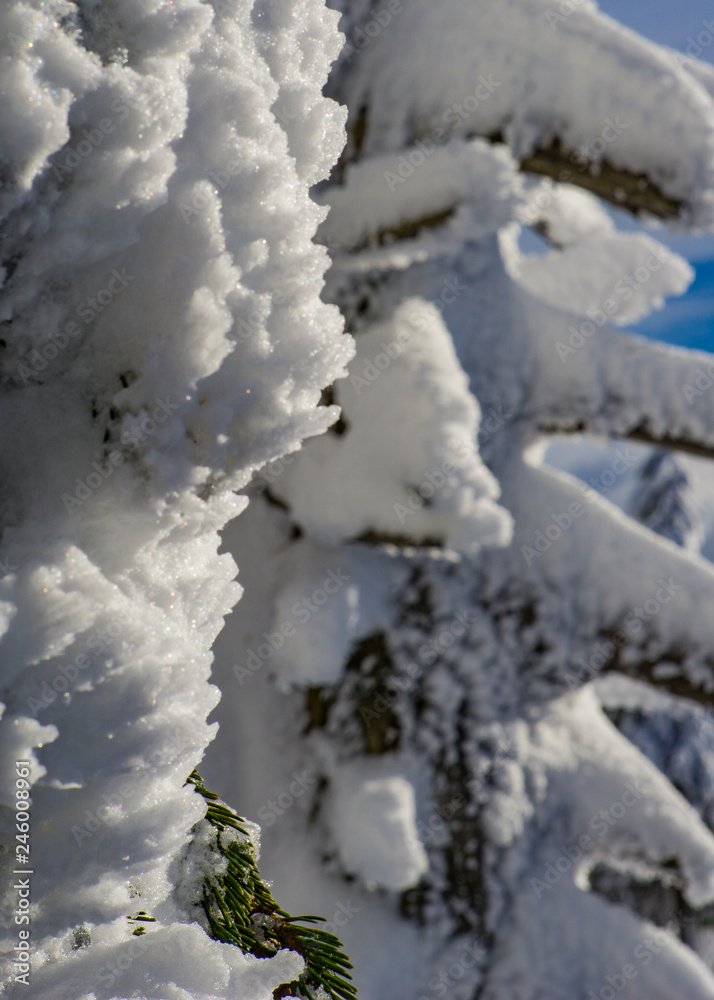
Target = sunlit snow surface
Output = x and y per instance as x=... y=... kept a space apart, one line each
x=162 y=338
x=165 y=338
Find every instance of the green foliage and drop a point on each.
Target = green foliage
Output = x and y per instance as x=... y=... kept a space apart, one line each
x=241 y=910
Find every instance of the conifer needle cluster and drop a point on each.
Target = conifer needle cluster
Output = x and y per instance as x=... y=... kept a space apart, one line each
x=241 y=910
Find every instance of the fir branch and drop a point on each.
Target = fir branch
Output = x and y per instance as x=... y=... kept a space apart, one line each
x=241 y=910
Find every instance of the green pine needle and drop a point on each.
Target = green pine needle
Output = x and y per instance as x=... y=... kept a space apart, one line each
x=241 y=910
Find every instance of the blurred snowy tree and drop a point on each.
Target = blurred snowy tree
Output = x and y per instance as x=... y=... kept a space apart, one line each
x=663 y=501
x=496 y=835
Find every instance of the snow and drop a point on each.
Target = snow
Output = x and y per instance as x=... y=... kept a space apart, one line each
x=323 y=607
x=408 y=465
x=442 y=662
x=669 y=828
x=178 y=962
x=401 y=694
x=617 y=797
x=189 y=348
x=618 y=276
x=375 y=195
x=374 y=823
x=568 y=213
x=510 y=81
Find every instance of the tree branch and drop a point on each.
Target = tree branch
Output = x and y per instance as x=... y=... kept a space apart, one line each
x=679 y=685
x=640 y=433
x=633 y=192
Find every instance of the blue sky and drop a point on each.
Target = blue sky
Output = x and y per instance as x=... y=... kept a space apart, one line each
x=689 y=320
x=665 y=21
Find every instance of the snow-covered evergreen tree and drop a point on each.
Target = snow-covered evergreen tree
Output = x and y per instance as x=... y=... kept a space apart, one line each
x=486 y=828
x=409 y=704
x=663 y=501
